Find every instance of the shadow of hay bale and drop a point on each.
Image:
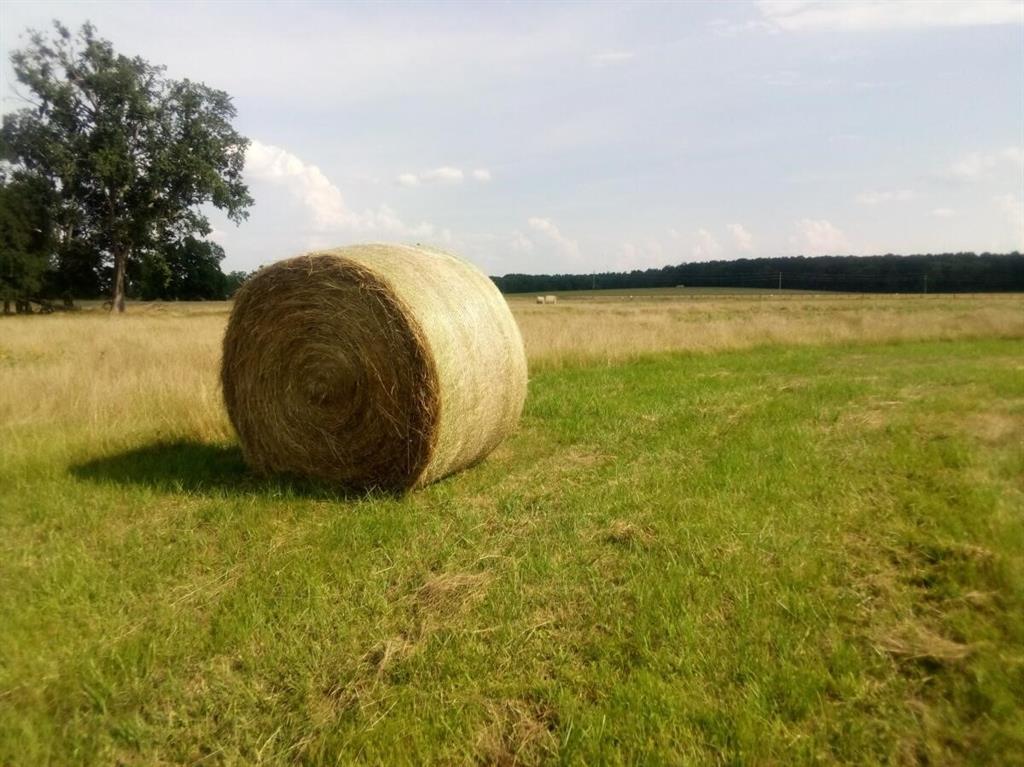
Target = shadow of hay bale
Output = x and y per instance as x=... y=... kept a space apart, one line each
x=196 y=467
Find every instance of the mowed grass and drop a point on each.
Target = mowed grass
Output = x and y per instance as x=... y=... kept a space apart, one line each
x=779 y=554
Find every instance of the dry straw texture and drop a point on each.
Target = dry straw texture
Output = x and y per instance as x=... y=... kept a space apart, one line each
x=372 y=366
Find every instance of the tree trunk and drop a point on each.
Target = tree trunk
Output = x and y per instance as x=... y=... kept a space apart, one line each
x=7 y=306
x=120 y=259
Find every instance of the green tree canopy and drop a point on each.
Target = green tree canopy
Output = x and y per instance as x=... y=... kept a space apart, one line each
x=25 y=237
x=188 y=270
x=234 y=281
x=130 y=155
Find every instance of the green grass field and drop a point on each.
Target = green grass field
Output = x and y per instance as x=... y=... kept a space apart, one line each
x=772 y=556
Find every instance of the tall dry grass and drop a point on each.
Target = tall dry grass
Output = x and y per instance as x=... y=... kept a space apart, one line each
x=95 y=381
x=586 y=331
x=68 y=379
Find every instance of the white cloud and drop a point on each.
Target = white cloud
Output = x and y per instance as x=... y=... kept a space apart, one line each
x=819 y=237
x=802 y=15
x=520 y=243
x=567 y=247
x=385 y=220
x=326 y=205
x=1014 y=155
x=306 y=182
x=607 y=58
x=744 y=239
x=976 y=165
x=1012 y=207
x=444 y=175
x=879 y=197
x=943 y=212
x=706 y=247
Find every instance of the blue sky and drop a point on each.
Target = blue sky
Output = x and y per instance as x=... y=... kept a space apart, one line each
x=579 y=137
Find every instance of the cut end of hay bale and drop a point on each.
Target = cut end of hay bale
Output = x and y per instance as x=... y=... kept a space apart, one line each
x=372 y=366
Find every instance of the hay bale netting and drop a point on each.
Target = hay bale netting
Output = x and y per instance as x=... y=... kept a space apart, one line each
x=372 y=366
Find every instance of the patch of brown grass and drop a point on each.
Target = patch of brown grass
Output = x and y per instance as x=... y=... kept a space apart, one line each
x=383 y=655
x=626 y=533
x=994 y=428
x=451 y=591
x=520 y=733
x=914 y=642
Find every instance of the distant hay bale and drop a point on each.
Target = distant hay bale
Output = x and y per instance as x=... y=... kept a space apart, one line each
x=540 y=299
x=551 y=299
x=372 y=366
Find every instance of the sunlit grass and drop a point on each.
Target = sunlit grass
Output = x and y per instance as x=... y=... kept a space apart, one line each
x=804 y=550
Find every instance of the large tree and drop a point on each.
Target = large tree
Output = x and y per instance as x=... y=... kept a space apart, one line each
x=130 y=155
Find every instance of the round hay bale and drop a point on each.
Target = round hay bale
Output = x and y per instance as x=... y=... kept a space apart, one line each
x=372 y=366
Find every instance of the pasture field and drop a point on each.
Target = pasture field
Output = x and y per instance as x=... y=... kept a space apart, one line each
x=731 y=529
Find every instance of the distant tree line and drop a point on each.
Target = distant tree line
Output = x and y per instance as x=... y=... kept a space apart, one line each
x=105 y=177
x=932 y=273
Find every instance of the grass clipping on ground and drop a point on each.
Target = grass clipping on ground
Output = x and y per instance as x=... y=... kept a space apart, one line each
x=372 y=366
